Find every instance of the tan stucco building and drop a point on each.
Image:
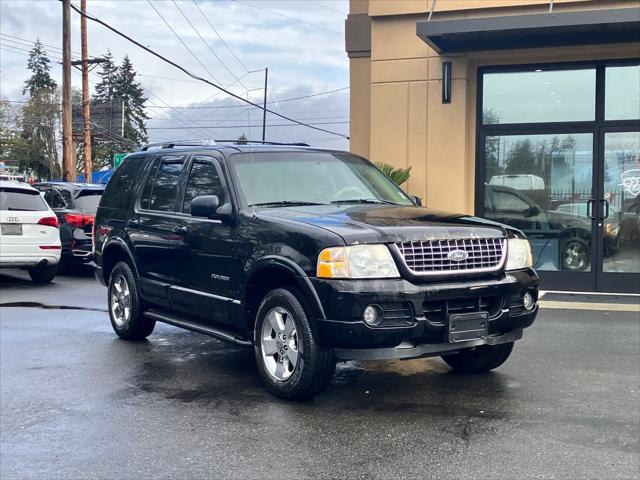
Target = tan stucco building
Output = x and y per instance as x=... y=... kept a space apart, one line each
x=405 y=114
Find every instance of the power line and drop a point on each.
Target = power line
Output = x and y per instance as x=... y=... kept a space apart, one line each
x=242 y=106
x=220 y=36
x=249 y=126
x=187 y=72
x=33 y=42
x=207 y=45
x=287 y=17
x=175 y=34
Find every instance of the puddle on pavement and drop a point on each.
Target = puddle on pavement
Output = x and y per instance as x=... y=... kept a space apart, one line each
x=49 y=307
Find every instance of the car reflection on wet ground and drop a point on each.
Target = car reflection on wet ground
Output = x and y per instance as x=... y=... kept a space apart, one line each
x=76 y=402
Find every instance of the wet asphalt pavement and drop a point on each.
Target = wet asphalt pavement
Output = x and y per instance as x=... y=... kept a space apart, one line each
x=76 y=402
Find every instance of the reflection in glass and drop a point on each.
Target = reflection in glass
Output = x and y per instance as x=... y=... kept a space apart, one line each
x=621 y=229
x=539 y=96
x=541 y=184
x=622 y=93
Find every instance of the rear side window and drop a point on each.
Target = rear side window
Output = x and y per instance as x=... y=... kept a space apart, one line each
x=19 y=199
x=124 y=182
x=165 y=187
x=88 y=200
x=203 y=180
x=54 y=199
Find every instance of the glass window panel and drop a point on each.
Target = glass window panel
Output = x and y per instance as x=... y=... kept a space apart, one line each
x=621 y=229
x=622 y=93
x=203 y=180
x=539 y=96
x=540 y=184
x=165 y=188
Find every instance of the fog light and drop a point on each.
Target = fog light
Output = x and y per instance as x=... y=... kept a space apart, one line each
x=527 y=301
x=371 y=315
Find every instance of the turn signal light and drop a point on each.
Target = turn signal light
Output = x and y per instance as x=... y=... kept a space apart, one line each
x=49 y=221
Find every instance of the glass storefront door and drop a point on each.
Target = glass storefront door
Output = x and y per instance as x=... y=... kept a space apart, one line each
x=559 y=159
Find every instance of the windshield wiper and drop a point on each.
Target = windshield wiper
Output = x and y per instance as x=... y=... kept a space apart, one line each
x=366 y=200
x=285 y=203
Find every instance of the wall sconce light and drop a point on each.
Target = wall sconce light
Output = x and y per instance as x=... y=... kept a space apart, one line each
x=446 y=82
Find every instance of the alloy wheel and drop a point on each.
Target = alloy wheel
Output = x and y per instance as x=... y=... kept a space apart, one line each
x=279 y=344
x=120 y=301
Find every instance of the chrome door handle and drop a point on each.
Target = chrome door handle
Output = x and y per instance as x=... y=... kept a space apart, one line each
x=181 y=230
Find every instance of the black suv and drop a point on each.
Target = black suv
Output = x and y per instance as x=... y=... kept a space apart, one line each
x=308 y=255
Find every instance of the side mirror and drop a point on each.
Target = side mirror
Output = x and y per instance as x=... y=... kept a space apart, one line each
x=417 y=200
x=532 y=211
x=205 y=206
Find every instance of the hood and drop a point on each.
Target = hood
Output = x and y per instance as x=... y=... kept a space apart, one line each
x=387 y=223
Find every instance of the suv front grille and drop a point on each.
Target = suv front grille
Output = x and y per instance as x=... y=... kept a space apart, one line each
x=433 y=257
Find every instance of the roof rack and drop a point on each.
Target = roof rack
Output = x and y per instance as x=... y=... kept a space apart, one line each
x=206 y=143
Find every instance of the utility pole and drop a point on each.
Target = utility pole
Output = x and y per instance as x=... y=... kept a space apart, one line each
x=264 y=105
x=86 y=99
x=68 y=161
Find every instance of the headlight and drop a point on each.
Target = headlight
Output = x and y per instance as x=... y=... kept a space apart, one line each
x=357 y=261
x=519 y=254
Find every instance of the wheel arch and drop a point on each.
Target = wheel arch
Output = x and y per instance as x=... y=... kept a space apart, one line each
x=116 y=250
x=273 y=272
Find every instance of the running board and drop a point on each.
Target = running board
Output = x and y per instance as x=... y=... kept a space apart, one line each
x=196 y=327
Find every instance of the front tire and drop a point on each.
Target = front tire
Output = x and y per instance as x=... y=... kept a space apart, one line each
x=291 y=362
x=479 y=359
x=42 y=275
x=124 y=303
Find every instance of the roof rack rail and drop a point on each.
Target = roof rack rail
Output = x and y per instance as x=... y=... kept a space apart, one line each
x=262 y=142
x=177 y=143
x=205 y=143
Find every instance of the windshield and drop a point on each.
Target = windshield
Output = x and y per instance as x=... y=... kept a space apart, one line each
x=21 y=199
x=88 y=199
x=315 y=178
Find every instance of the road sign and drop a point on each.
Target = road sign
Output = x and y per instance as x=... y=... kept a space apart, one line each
x=117 y=159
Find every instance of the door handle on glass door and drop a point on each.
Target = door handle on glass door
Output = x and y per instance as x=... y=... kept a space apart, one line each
x=605 y=203
x=590 y=209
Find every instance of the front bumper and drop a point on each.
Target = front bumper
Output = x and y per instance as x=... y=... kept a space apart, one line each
x=415 y=319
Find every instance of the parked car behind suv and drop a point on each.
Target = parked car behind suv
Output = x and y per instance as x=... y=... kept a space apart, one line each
x=29 y=236
x=308 y=255
x=75 y=204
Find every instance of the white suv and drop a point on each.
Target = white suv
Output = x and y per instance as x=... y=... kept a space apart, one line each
x=29 y=236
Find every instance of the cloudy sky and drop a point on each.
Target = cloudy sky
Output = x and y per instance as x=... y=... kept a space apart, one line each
x=226 y=41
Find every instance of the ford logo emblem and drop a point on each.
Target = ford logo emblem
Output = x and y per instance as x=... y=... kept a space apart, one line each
x=457 y=255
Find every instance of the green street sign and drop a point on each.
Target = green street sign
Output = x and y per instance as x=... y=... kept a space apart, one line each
x=117 y=159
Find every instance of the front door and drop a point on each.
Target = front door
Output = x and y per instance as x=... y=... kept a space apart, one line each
x=559 y=158
x=207 y=268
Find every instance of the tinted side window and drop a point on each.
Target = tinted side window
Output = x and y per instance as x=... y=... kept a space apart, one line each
x=54 y=199
x=124 y=182
x=165 y=187
x=509 y=201
x=203 y=180
x=148 y=186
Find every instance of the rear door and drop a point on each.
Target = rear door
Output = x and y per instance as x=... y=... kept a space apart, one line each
x=206 y=261
x=152 y=229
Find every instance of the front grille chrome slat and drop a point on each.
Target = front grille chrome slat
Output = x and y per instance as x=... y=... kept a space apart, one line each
x=431 y=257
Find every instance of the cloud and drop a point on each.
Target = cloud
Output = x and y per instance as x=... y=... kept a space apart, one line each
x=304 y=52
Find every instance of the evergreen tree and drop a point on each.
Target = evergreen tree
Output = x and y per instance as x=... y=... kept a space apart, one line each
x=40 y=79
x=131 y=93
x=106 y=87
x=38 y=153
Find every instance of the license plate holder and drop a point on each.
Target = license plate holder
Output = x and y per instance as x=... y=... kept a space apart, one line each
x=468 y=326
x=11 y=228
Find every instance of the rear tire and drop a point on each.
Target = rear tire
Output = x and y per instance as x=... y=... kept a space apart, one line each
x=479 y=359
x=124 y=303
x=42 y=275
x=290 y=360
